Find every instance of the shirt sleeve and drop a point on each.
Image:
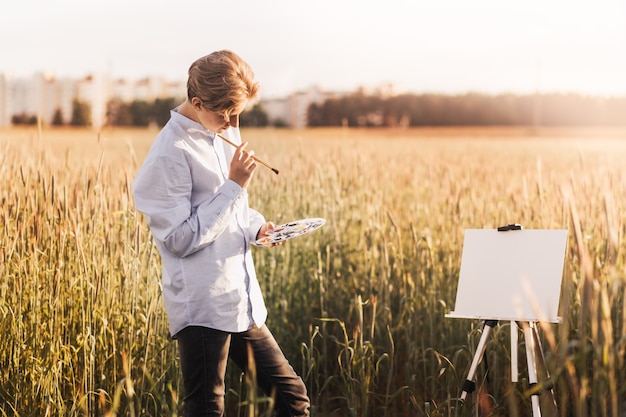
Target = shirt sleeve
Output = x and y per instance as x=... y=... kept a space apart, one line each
x=162 y=191
x=256 y=221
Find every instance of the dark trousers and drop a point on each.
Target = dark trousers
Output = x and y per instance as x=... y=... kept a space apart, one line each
x=204 y=353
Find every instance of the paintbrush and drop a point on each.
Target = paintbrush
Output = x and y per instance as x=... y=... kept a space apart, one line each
x=260 y=161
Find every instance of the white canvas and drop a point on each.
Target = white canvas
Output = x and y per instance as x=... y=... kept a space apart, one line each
x=511 y=275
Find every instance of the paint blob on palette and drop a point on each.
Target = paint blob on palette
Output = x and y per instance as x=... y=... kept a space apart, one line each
x=292 y=229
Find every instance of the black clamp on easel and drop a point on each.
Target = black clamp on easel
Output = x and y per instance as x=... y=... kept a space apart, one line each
x=514 y=226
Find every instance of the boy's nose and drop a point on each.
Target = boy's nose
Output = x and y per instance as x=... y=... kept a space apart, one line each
x=234 y=120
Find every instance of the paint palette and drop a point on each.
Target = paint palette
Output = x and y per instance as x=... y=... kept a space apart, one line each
x=292 y=229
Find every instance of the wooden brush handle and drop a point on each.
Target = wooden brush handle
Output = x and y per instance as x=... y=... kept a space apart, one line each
x=260 y=161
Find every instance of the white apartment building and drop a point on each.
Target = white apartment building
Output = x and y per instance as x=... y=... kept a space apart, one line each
x=292 y=110
x=41 y=95
x=5 y=117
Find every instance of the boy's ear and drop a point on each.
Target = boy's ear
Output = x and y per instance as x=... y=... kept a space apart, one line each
x=196 y=103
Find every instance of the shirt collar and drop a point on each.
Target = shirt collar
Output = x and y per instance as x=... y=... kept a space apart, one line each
x=189 y=125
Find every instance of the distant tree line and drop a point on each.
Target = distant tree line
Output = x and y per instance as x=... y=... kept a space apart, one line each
x=81 y=116
x=142 y=113
x=471 y=109
x=407 y=110
x=139 y=113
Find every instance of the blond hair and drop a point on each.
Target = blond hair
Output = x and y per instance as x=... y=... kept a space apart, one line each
x=223 y=81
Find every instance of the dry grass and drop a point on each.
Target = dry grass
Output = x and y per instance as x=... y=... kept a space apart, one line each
x=358 y=306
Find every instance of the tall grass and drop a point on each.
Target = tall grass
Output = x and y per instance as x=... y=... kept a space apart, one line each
x=83 y=328
x=357 y=306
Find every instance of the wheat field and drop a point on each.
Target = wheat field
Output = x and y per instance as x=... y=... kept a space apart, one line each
x=358 y=306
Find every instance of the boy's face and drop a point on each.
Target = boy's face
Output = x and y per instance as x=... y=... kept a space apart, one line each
x=214 y=121
x=217 y=122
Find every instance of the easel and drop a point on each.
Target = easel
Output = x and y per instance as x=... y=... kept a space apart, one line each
x=534 y=358
x=511 y=265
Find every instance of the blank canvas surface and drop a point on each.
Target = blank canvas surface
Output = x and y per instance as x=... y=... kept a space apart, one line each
x=512 y=275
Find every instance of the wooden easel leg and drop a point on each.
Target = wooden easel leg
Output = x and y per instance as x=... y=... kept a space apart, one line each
x=529 y=337
x=548 y=401
x=469 y=385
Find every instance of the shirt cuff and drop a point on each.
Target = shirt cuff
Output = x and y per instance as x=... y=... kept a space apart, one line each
x=232 y=189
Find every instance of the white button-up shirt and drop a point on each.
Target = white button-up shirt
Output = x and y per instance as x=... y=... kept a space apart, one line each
x=203 y=228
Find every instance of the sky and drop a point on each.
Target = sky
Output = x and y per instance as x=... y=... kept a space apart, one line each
x=438 y=46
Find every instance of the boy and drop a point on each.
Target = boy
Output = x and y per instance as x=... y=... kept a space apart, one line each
x=193 y=191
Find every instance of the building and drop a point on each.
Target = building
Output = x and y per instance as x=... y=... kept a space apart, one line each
x=44 y=95
x=292 y=110
x=5 y=116
x=40 y=95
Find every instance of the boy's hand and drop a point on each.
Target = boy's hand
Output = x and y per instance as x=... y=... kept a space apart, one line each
x=265 y=230
x=242 y=166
